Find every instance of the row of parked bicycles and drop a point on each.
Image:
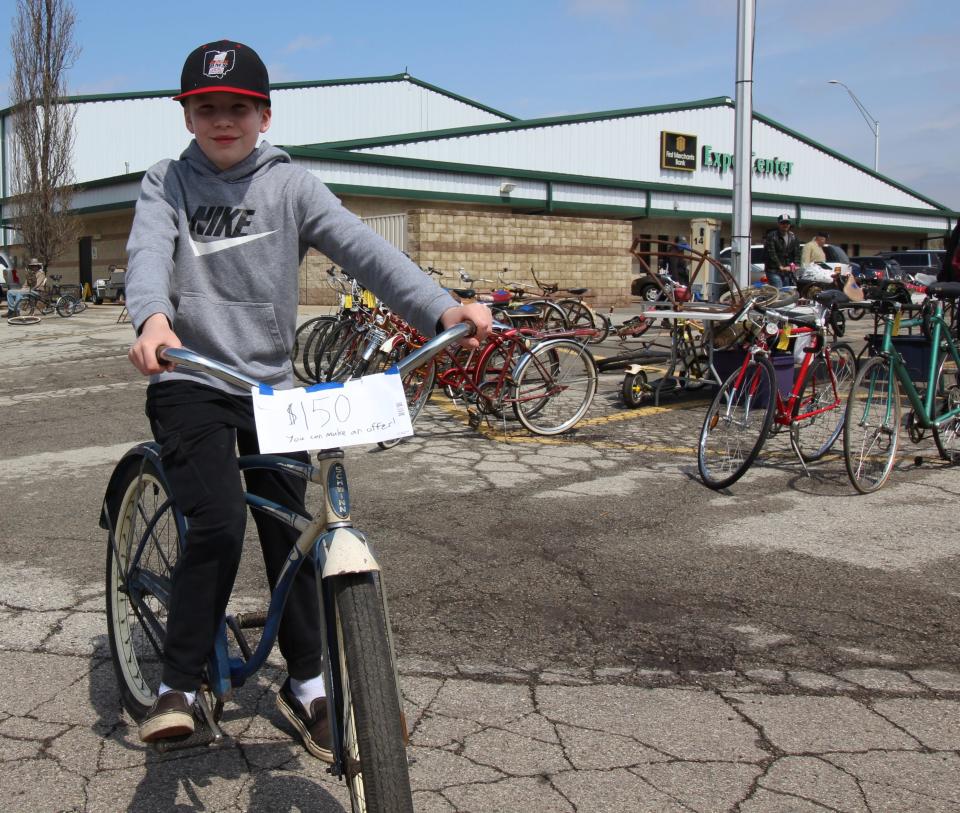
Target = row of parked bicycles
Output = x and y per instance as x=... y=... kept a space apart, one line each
x=535 y=366
x=538 y=367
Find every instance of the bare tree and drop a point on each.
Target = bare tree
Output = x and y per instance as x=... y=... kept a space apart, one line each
x=43 y=50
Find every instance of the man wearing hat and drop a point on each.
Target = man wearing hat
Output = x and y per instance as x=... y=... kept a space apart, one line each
x=781 y=251
x=813 y=251
x=35 y=280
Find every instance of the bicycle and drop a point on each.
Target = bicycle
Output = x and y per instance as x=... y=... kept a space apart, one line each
x=873 y=422
x=145 y=537
x=578 y=312
x=749 y=402
x=548 y=380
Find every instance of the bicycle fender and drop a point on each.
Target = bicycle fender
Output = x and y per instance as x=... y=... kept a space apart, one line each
x=132 y=457
x=633 y=369
x=343 y=551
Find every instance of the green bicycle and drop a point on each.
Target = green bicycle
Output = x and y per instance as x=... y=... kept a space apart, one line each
x=874 y=410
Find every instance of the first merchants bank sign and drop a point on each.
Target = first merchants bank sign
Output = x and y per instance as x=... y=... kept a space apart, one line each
x=678 y=151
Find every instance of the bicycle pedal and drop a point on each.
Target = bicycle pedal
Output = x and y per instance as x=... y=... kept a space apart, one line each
x=202 y=737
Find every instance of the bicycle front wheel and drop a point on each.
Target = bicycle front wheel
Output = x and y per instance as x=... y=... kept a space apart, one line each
x=373 y=727
x=871 y=428
x=554 y=387
x=737 y=424
x=947 y=398
x=147 y=533
x=814 y=436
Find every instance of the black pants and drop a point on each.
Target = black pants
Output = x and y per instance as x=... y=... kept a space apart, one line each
x=199 y=429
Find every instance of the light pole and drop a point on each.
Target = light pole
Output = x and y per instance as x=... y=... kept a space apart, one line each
x=871 y=122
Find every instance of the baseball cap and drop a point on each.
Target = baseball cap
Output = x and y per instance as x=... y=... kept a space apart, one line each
x=34 y=262
x=783 y=219
x=224 y=66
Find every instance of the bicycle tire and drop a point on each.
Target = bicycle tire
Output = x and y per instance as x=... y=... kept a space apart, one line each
x=330 y=347
x=855 y=314
x=27 y=306
x=23 y=320
x=491 y=386
x=635 y=389
x=871 y=428
x=373 y=725
x=300 y=355
x=814 y=437
x=947 y=397
x=737 y=424
x=345 y=363
x=149 y=543
x=552 y=317
x=554 y=387
x=80 y=306
x=603 y=329
x=578 y=315
x=66 y=305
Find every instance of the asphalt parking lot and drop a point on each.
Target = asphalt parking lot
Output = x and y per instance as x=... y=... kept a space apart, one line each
x=581 y=625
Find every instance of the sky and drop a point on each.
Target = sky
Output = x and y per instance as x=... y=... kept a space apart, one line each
x=534 y=58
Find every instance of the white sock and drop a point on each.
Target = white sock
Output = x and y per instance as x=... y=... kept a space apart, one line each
x=306 y=691
x=164 y=688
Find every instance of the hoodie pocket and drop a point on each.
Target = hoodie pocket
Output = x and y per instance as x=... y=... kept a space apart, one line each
x=242 y=334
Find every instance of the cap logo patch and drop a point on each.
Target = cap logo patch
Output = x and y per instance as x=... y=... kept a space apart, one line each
x=217 y=64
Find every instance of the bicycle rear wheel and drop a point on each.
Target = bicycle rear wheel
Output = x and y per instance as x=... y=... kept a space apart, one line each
x=554 y=387
x=947 y=434
x=147 y=531
x=373 y=727
x=736 y=424
x=67 y=305
x=871 y=428
x=27 y=306
x=814 y=437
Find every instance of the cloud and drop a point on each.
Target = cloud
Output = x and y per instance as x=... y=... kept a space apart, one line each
x=306 y=43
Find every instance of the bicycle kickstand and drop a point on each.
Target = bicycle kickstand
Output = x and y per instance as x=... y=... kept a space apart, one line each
x=796 y=451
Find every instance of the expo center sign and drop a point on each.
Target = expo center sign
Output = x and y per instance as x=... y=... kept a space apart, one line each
x=678 y=151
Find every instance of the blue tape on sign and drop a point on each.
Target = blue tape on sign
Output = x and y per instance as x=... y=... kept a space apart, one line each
x=394 y=370
x=266 y=389
x=326 y=385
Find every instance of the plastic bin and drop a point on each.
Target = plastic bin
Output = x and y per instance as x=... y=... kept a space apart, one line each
x=915 y=351
x=726 y=361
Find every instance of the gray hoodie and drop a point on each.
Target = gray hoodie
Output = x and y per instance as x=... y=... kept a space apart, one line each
x=218 y=253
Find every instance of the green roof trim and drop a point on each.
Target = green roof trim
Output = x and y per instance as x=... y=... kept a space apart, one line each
x=518 y=124
x=362 y=80
x=330 y=154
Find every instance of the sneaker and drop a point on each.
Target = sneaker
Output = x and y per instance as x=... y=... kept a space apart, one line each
x=170 y=716
x=313 y=726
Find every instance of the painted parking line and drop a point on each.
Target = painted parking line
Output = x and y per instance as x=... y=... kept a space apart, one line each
x=69 y=392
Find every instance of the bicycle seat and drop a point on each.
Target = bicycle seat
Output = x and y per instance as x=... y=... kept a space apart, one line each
x=577 y=291
x=944 y=290
x=464 y=293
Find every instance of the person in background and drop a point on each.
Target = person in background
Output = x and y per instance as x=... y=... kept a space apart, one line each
x=781 y=252
x=36 y=280
x=678 y=266
x=813 y=251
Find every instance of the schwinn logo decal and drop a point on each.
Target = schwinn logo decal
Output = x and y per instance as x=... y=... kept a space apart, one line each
x=217 y=64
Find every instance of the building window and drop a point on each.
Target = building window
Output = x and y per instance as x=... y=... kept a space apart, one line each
x=663 y=244
x=856 y=249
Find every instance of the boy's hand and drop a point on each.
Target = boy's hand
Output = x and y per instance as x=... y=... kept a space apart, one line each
x=156 y=332
x=476 y=313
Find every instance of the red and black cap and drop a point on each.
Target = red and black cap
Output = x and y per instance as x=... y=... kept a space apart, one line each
x=225 y=66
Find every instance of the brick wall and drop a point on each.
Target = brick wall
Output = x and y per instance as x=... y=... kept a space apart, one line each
x=570 y=251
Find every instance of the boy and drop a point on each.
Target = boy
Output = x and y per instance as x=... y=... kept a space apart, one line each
x=216 y=244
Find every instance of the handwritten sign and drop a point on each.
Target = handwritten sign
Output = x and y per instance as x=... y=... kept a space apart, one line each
x=324 y=416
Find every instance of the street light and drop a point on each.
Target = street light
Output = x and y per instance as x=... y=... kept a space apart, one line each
x=871 y=122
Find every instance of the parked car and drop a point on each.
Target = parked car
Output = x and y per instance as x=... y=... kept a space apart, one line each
x=756 y=262
x=110 y=288
x=928 y=262
x=877 y=269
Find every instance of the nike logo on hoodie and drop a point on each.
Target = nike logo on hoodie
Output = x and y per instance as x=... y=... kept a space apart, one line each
x=214 y=221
